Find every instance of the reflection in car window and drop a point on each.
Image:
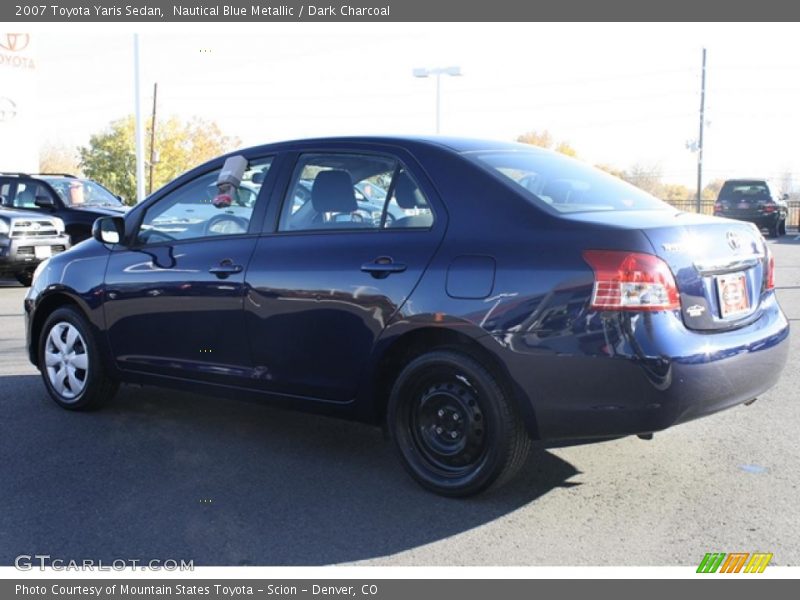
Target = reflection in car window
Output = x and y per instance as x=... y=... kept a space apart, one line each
x=567 y=185
x=82 y=192
x=198 y=209
x=352 y=191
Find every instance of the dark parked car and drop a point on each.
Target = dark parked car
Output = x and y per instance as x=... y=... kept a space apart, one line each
x=575 y=306
x=26 y=239
x=752 y=200
x=77 y=202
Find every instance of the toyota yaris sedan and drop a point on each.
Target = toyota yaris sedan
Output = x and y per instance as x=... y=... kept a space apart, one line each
x=522 y=296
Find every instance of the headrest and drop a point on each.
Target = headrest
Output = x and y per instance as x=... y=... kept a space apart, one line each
x=332 y=191
x=405 y=192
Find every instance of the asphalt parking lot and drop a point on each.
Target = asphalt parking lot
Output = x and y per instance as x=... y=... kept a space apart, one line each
x=160 y=474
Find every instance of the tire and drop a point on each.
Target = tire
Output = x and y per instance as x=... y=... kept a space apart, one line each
x=70 y=363
x=782 y=227
x=25 y=278
x=453 y=426
x=772 y=230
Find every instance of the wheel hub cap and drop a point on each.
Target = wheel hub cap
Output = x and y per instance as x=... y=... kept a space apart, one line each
x=66 y=360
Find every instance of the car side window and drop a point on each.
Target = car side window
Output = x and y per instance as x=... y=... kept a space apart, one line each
x=408 y=207
x=198 y=209
x=5 y=193
x=26 y=195
x=352 y=192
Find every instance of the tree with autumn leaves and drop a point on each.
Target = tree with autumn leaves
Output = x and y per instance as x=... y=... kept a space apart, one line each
x=110 y=156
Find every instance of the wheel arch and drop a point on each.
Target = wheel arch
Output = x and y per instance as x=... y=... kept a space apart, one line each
x=407 y=346
x=46 y=307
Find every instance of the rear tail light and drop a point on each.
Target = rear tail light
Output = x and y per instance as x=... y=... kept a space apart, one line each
x=717 y=207
x=631 y=281
x=770 y=270
x=769 y=208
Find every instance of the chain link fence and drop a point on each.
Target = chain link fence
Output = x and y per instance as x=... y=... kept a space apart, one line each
x=707 y=208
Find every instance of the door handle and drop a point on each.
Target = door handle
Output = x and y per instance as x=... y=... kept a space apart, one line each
x=226 y=268
x=382 y=267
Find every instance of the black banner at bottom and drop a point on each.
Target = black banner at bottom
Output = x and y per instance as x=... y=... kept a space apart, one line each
x=386 y=589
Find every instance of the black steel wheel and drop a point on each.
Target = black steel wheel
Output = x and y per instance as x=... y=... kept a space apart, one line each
x=453 y=426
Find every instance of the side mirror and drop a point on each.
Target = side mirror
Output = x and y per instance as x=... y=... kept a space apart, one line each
x=109 y=230
x=44 y=202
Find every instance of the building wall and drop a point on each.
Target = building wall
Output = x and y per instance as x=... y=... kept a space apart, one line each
x=19 y=131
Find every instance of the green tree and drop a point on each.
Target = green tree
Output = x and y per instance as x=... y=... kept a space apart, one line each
x=110 y=156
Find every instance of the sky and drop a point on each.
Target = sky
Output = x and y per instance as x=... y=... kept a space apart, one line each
x=620 y=94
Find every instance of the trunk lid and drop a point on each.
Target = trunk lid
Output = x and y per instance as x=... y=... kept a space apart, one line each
x=720 y=265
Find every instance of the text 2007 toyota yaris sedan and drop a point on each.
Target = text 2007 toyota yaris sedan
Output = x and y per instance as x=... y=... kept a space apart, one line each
x=472 y=296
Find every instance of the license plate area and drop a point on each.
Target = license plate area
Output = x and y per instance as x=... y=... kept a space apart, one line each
x=43 y=251
x=732 y=294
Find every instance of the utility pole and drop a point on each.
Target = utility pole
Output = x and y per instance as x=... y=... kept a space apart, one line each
x=138 y=117
x=700 y=138
x=153 y=153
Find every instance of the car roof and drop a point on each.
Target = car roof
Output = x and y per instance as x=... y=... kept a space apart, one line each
x=455 y=144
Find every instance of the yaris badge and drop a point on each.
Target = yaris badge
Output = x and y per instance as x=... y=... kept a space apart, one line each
x=733 y=240
x=695 y=310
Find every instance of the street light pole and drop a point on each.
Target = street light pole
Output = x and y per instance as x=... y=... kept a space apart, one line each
x=438 y=72
x=138 y=117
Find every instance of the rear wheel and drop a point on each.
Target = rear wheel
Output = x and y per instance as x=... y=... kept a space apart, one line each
x=25 y=278
x=454 y=426
x=70 y=363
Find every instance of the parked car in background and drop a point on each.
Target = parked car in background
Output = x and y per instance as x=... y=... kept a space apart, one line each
x=528 y=297
x=76 y=201
x=26 y=239
x=753 y=201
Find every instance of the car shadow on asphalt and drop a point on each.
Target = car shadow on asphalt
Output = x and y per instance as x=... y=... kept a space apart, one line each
x=158 y=474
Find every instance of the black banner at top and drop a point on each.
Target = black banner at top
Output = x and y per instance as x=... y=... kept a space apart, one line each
x=375 y=11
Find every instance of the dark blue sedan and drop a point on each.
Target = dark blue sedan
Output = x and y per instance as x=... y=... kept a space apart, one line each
x=513 y=295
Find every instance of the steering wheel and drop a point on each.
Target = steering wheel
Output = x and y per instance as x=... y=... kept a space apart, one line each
x=226 y=225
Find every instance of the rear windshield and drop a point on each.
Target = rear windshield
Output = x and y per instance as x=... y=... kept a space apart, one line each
x=567 y=185
x=744 y=191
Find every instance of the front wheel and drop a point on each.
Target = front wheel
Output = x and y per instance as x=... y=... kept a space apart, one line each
x=453 y=425
x=70 y=363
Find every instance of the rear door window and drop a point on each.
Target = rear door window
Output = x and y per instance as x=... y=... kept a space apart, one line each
x=341 y=191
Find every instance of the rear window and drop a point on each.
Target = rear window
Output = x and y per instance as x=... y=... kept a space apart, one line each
x=567 y=185
x=744 y=191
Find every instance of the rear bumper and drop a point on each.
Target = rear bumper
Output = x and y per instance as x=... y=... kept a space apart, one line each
x=638 y=373
x=760 y=221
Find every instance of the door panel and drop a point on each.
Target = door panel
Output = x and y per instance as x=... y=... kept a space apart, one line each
x=167 y=314
x=173 y=302
x=355 y=232
x=312 y=313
